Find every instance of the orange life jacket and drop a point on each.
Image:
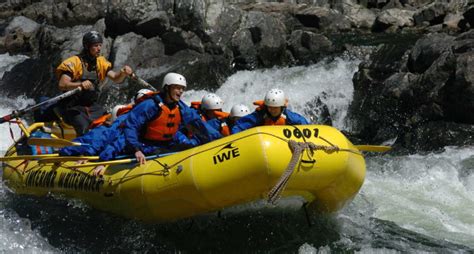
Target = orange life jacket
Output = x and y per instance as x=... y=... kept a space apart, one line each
x=267 y=120
x=125 y=109
x=225 y=130
x=196 y=105
x=100 y=121
x=165 y=125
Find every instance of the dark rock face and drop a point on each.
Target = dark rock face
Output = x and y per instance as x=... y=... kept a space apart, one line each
x=410 y=91
x=430 y=96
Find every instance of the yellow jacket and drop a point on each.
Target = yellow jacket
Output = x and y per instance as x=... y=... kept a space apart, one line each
x=73 y=65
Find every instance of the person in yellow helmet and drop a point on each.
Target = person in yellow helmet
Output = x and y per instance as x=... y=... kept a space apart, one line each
x=87 y=70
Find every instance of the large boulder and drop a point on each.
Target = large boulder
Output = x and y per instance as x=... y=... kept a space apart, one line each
x=19 y=34
x=393 y=20
x=308 y=47
x=260 y=41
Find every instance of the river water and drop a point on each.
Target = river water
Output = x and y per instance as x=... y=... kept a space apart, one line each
x=412 y=203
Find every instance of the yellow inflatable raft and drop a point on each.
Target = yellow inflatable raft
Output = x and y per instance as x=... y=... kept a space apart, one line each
x=326 y=170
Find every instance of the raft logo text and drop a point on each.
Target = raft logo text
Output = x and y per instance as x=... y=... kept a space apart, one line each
x=226 y=153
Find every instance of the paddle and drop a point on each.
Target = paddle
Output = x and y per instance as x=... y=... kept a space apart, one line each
x=28 y=157
x=143 y=82
x=115 y=162
x=51 y=101
x=66 y=158
x=371 y=148
x=53 y=142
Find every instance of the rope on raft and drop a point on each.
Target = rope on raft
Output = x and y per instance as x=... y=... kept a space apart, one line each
x=297 y=149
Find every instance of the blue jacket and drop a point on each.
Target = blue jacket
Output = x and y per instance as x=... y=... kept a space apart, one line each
x=257 y=119
x=95 y=140
x=215 y=124
x=135 y=124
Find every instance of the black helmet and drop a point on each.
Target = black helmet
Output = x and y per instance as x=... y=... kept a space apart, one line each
x=90 y=38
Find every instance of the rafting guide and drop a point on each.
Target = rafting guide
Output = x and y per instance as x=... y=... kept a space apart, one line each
x=87 y=70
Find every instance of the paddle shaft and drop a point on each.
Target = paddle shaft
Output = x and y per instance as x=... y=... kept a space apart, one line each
x=53 y=142
x=372 y=148
x=18 y=113
x=143 y=82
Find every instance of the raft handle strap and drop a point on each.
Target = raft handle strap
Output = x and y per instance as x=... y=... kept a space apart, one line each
x=296 y=148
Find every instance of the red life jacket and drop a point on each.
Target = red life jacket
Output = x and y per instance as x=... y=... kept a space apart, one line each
x=165 y=125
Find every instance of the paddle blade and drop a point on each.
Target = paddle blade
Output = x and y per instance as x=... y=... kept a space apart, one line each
x=52 y=142
x=371 y=148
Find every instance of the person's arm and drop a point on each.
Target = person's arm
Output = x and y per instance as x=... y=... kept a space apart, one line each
x=118 y=77
x=201 y=129
x=66 y=83
x=247 y=122
x=136 y=119
x=295 y=118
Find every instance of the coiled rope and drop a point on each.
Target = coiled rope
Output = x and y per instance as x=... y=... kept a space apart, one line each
x=297 y=149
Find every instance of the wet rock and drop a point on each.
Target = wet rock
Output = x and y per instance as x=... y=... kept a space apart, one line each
x=308 y=47
x=438 y=134
x=460 y=97
x=176 y=39
x=359 y=16
x=427 y=50
x=18 y=35
x=323 y=18
x=431 y=15
x=260 y=41
x=393 y=20
x=439 y=89
x=318 y=112
x=154 y=24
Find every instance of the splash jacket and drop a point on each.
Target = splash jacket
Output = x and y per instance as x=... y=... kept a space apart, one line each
x=222 y=125
x=138 y=122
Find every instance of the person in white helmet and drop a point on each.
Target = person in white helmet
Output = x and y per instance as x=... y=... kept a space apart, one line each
x=224 y=125
x=152 y=124
x=87 y=70
x=271 y=111
x=210 y=107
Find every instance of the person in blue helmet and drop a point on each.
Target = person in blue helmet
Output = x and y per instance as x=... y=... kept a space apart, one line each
x=272 y=111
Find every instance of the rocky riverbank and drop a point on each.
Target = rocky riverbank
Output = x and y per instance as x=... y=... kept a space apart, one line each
x=417 y=90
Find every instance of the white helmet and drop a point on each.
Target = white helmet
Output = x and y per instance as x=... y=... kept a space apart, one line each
x=173 y=79
x=211 y=101
x=140 y=93
x=239 y=110
x=115 y=110
x=275 y=98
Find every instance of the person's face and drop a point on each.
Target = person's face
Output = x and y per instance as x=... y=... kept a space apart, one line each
x=175 y=92
x=234 y=119
x=210 y=113
x=94 y=49
x=274 y=111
